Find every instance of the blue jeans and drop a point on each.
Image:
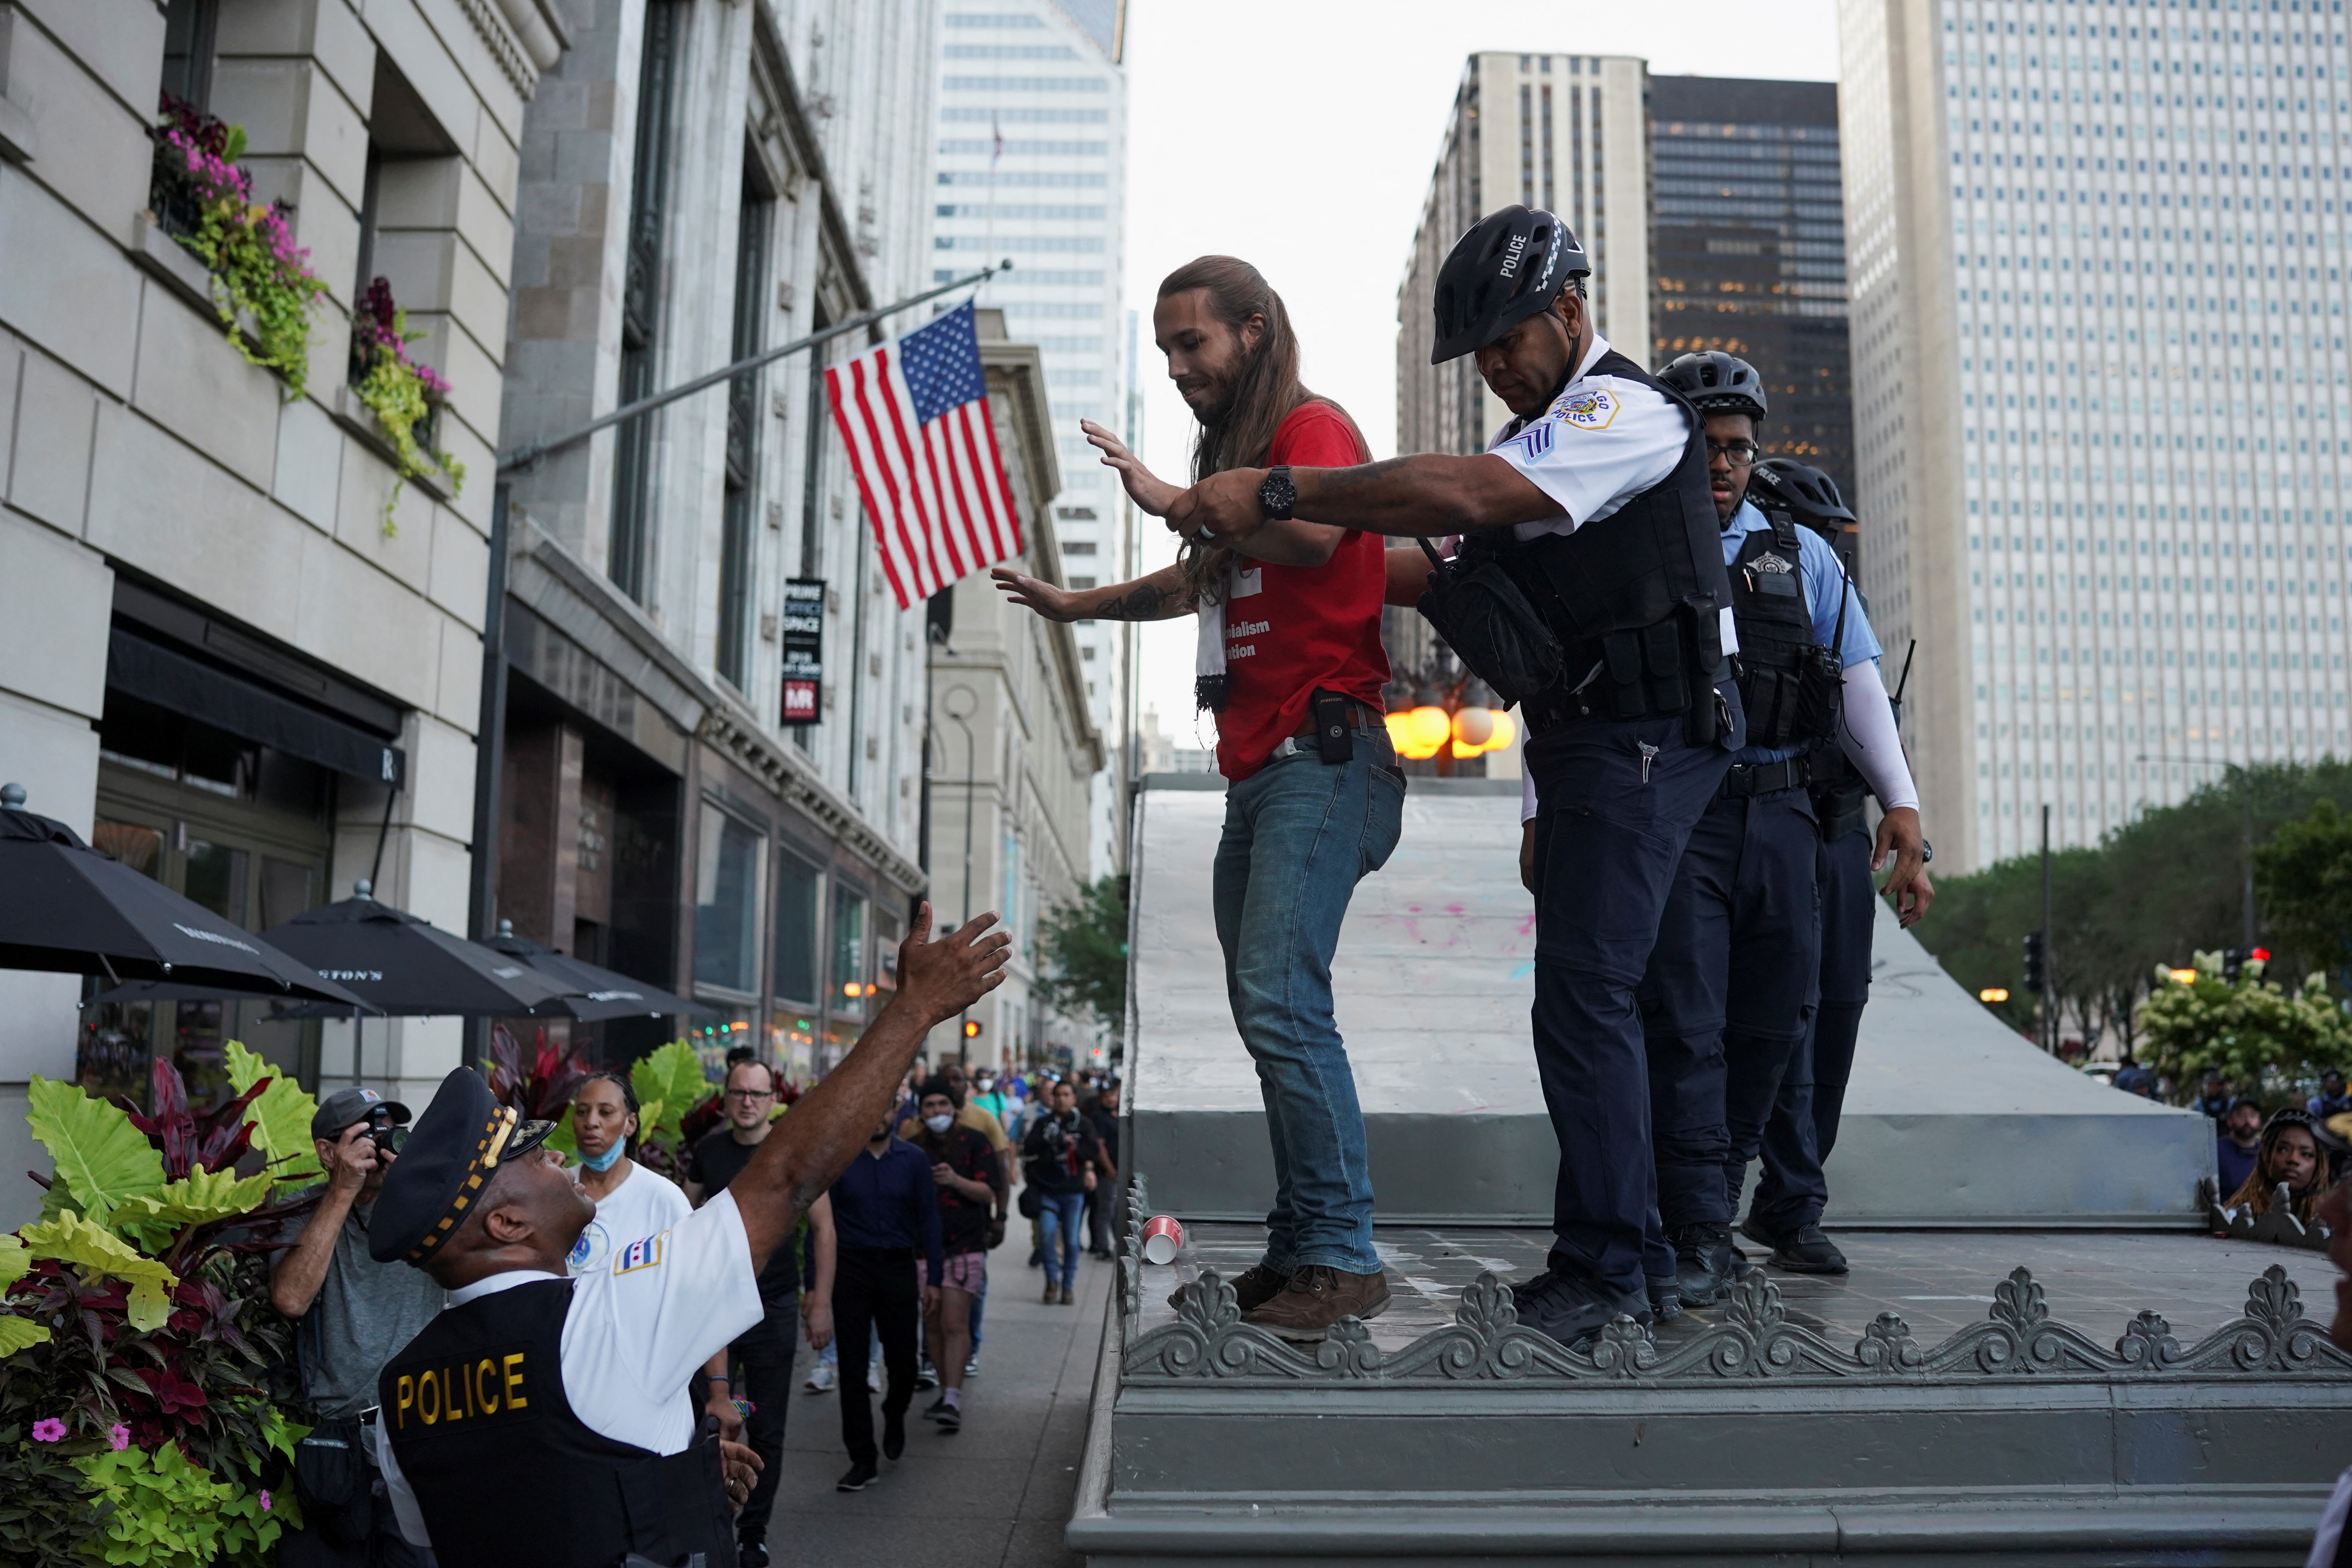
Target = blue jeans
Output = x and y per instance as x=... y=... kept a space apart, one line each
x=1299 y=834
x=1061 y=1221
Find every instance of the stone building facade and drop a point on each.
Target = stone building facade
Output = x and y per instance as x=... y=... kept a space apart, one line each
x=703 y=180
x=232 y=650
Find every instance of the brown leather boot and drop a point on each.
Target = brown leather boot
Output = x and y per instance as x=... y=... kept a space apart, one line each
x=1252 y=1287
x=1316 y=1298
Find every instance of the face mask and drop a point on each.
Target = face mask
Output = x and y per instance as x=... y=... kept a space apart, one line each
x=988 y=1086
x=939 y=1123
x=604 y=1161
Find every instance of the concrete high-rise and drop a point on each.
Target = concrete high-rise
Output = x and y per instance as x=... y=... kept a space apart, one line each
x=1032 y=166
x=2098 y=298
x=1565 y=133
x=1747 y=247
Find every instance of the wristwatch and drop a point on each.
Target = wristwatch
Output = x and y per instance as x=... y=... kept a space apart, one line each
x=1278 y=495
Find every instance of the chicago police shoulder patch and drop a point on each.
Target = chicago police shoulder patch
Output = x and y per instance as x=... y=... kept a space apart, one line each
x=1586 y=408
x=646 y=1254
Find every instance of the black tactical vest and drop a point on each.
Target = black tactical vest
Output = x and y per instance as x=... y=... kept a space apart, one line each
x=504 y=1474
x=1791 y=685
x=1637 y=593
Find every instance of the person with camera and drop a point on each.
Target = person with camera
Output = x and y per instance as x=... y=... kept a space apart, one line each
x=1732 y=983
x=354 y=1314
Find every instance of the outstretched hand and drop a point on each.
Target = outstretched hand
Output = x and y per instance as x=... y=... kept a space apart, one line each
x=940 y=979
x=1036 y=594
x=1150 y=492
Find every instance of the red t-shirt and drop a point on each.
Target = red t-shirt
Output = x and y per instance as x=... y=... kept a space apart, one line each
x=1289 y=629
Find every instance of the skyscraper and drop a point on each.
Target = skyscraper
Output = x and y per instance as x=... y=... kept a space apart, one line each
x=1032 y=166
x=2098 y=296
x=1565 y=132
x=1747 y=247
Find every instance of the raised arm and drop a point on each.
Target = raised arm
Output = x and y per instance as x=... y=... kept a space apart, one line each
x=1162 y=596
x=804 y=1153
x=1422 y=496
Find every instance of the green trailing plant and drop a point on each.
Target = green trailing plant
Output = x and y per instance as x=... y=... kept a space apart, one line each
x=2252 y=1031
x=256 y=270
x=137 y=1353
x=405 y=395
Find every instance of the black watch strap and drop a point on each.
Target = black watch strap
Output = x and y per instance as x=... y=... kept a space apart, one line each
x=1277 y=497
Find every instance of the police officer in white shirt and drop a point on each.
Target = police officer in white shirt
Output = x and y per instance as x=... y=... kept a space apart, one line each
x=1591 y=590
x=546 y=1420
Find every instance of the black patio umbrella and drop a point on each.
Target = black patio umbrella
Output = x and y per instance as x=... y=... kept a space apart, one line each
x=603 y=993
x=394 y=962
x=66 y=908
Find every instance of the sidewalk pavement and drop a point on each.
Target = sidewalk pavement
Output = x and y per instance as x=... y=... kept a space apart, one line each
x=997 y=1492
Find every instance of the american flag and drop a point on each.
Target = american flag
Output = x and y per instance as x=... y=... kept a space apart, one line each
x=914 y=414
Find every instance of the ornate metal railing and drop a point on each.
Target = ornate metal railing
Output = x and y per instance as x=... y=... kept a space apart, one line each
x=1755 y=1341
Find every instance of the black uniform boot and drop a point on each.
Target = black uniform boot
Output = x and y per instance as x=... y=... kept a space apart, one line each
x=1666 y=1297
x=1704 y=1259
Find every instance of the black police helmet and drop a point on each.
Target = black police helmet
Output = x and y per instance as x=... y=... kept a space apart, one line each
x=1801 y=490
x=1718 y=383
x=1510 y=266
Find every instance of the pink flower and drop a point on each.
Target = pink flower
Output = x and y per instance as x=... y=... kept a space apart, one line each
x=265 y=1502
x=118 y=1437
x=49 y=1430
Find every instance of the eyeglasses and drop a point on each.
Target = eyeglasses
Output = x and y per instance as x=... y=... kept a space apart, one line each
x=1738 y=453
x=750 y=1095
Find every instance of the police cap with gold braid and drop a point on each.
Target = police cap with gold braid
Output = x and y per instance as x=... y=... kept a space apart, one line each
x=455 y=1149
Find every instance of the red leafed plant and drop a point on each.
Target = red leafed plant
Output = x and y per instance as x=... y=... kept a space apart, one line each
x=541 y=1088
x=213 y=1142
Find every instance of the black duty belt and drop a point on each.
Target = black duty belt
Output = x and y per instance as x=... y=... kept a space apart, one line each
x=1746 y=779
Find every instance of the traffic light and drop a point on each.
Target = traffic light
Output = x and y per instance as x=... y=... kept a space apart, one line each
x=971 y=1028
x=2037 y=961
x=2236 y=959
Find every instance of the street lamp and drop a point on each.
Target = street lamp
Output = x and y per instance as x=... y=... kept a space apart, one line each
x=1452 y=720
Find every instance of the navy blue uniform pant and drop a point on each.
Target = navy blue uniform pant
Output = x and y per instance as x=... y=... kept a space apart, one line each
x=1615 y=801
x=1724 y=1001
x=1804 y=1125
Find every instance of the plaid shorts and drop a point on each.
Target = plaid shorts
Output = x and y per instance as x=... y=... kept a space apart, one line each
x=966 y=1271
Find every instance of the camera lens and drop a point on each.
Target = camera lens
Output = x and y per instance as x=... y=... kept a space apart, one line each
x=389 y=1140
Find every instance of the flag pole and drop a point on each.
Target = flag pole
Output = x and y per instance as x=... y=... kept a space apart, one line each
x=530 y=453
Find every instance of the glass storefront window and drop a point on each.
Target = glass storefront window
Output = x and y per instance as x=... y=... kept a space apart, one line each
x=886 y=958
x=849 y=953
x=728 y=887
x=799 y=894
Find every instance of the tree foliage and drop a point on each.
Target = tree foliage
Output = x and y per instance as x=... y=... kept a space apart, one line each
x=1083 y=944
x=2156 y=892
x=2252 y=1032
x=2304 y=876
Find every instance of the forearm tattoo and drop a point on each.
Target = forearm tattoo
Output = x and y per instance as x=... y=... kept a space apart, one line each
x=1144 y=602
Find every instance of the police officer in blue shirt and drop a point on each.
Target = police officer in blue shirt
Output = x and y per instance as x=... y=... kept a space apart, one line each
x=1591 y=590
x=1786 y=1212
x=1730 y=987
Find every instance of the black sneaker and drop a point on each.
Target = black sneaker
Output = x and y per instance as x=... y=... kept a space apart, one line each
x=931 y=1411
x=1573 y=1309
x=926 y=1377
x=1703 y=1262
x=1252 y=1287
x=1665 y=1299
x=1805 y=1250
x=750 y=1554
x=950 y=1418
x=894 y=1434
x=857 y=1478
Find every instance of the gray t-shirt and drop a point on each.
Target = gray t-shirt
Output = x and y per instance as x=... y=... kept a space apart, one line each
x=365 y=1313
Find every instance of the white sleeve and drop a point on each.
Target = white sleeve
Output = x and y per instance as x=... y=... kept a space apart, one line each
x=403 y=1497
x=641 y=1327
x=1601 y=441
x=1868 y=739
x=1526 y=794
x=2331 y=1524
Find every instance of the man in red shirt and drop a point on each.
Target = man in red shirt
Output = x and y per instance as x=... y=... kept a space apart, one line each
x=1291 y=662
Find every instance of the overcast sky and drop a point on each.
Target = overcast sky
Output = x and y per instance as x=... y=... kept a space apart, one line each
x=1300 y=134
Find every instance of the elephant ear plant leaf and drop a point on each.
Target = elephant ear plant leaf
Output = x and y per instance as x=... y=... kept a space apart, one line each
x=199 y=1198
x=100 y=1158
x=280 y=1116
x=99 y=1253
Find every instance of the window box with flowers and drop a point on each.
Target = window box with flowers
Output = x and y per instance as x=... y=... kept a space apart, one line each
x=395 y=401
x=257 y=279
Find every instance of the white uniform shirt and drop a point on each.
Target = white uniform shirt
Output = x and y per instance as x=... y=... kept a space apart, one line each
x=2331 y=1524
x=636 y=1332
x=645 y=1202
x=1603 y=441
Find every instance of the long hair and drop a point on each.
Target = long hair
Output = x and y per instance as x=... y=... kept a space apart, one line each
x=2258 y=1191
x=1239 y=433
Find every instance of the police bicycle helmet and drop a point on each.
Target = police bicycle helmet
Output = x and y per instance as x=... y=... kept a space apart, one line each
x=1718 y=383
x=1803 y=491
x=1511 y=265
